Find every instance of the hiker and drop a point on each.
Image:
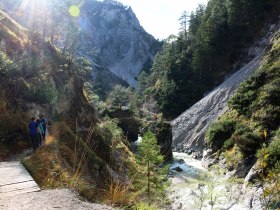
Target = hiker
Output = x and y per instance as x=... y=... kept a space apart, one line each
x=40 y=131
x=44 y=122
x=33 y=133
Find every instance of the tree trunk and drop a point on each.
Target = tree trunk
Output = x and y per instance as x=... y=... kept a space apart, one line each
x=149 y=191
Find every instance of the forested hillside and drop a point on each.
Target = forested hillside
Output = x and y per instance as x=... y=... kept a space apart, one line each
x=250 y=131
x=202 y=55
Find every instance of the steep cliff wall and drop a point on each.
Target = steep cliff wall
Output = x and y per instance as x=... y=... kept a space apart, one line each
x=113 y=33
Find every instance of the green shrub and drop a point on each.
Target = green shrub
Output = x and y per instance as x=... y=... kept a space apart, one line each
x=268 y=116
x=228 y=144
x=272 y=92
x=44 y=92
x=247 y=93
x=274 y=148
x=219 y=132
x=271 y=187
x=246 y=140
x=242 y=100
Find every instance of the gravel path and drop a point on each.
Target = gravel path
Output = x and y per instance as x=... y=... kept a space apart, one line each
x=62 y=199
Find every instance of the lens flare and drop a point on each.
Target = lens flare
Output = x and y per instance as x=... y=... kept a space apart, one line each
x=74 y=11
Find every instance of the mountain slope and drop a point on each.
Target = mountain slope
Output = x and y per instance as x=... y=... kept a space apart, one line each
x=33 y=71
x=106 y=33
x=189 y=128
x=114 y=33
x=202 y=56
x=82 y=152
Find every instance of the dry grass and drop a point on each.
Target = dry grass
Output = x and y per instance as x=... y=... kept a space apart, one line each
x=52 y=164
x=69 y=160
x=50 y=139
x=45 y=168
x=118 y=193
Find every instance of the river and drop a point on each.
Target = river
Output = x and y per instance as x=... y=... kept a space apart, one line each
x=198 y=188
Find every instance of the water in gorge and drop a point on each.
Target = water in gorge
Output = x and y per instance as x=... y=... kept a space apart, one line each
x=194 y=187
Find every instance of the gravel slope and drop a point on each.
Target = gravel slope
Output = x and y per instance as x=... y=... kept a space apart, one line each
x=62 y=199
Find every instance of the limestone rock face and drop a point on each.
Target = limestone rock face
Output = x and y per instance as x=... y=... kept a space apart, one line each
x=112 y=32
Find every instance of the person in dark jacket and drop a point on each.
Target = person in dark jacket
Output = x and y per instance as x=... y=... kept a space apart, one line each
x=33 y=133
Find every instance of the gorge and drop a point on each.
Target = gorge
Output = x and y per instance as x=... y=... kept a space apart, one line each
x=209 y=94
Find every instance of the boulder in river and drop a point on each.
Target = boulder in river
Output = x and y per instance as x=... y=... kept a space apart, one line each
x=178 y=169
x=181 y=161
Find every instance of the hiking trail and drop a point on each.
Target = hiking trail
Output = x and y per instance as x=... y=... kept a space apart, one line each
x=19 y=191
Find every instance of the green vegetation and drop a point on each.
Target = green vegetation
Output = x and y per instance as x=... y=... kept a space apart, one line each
x=119 y=96
x=220 y=133
x=84 y=149
x=274 y=148
x=271 y=196
x=196 y=60
x=251 y=126
x=150 y=181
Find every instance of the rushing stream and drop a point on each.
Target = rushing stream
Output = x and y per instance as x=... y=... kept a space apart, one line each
x=198 y=188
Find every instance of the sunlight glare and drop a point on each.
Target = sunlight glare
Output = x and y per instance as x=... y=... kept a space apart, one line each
x=32 y=5
x=74 y=11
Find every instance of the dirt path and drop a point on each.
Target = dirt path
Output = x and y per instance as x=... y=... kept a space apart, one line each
x=62 y=199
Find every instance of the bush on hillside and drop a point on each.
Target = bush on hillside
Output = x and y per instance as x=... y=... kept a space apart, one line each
x=228 y=144
x=247 y=93
x=271 y=188
x=44 y=92
x=274 y=148
x=272 y=92
x=242 y=100
x=268 y=116
x=247 y=141
x=219 y=132
x=267 y=105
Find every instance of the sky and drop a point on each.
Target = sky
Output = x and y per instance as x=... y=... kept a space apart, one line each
x=160 y=17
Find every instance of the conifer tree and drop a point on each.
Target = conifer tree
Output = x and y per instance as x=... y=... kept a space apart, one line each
x=151 y=178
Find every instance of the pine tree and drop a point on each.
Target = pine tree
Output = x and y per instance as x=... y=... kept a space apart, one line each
x=151 y=177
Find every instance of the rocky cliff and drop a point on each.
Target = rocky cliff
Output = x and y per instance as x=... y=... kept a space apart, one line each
x=113 y=33
x=189 y=128
x=106 y=33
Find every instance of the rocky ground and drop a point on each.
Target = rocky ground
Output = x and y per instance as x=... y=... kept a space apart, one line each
x=62 y=199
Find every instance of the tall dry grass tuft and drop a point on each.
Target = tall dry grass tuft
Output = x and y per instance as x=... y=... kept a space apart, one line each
x=118 y=193
x=76 y=147
x=88 y=147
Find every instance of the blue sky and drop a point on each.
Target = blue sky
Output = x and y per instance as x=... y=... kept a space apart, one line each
x=160 y=17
